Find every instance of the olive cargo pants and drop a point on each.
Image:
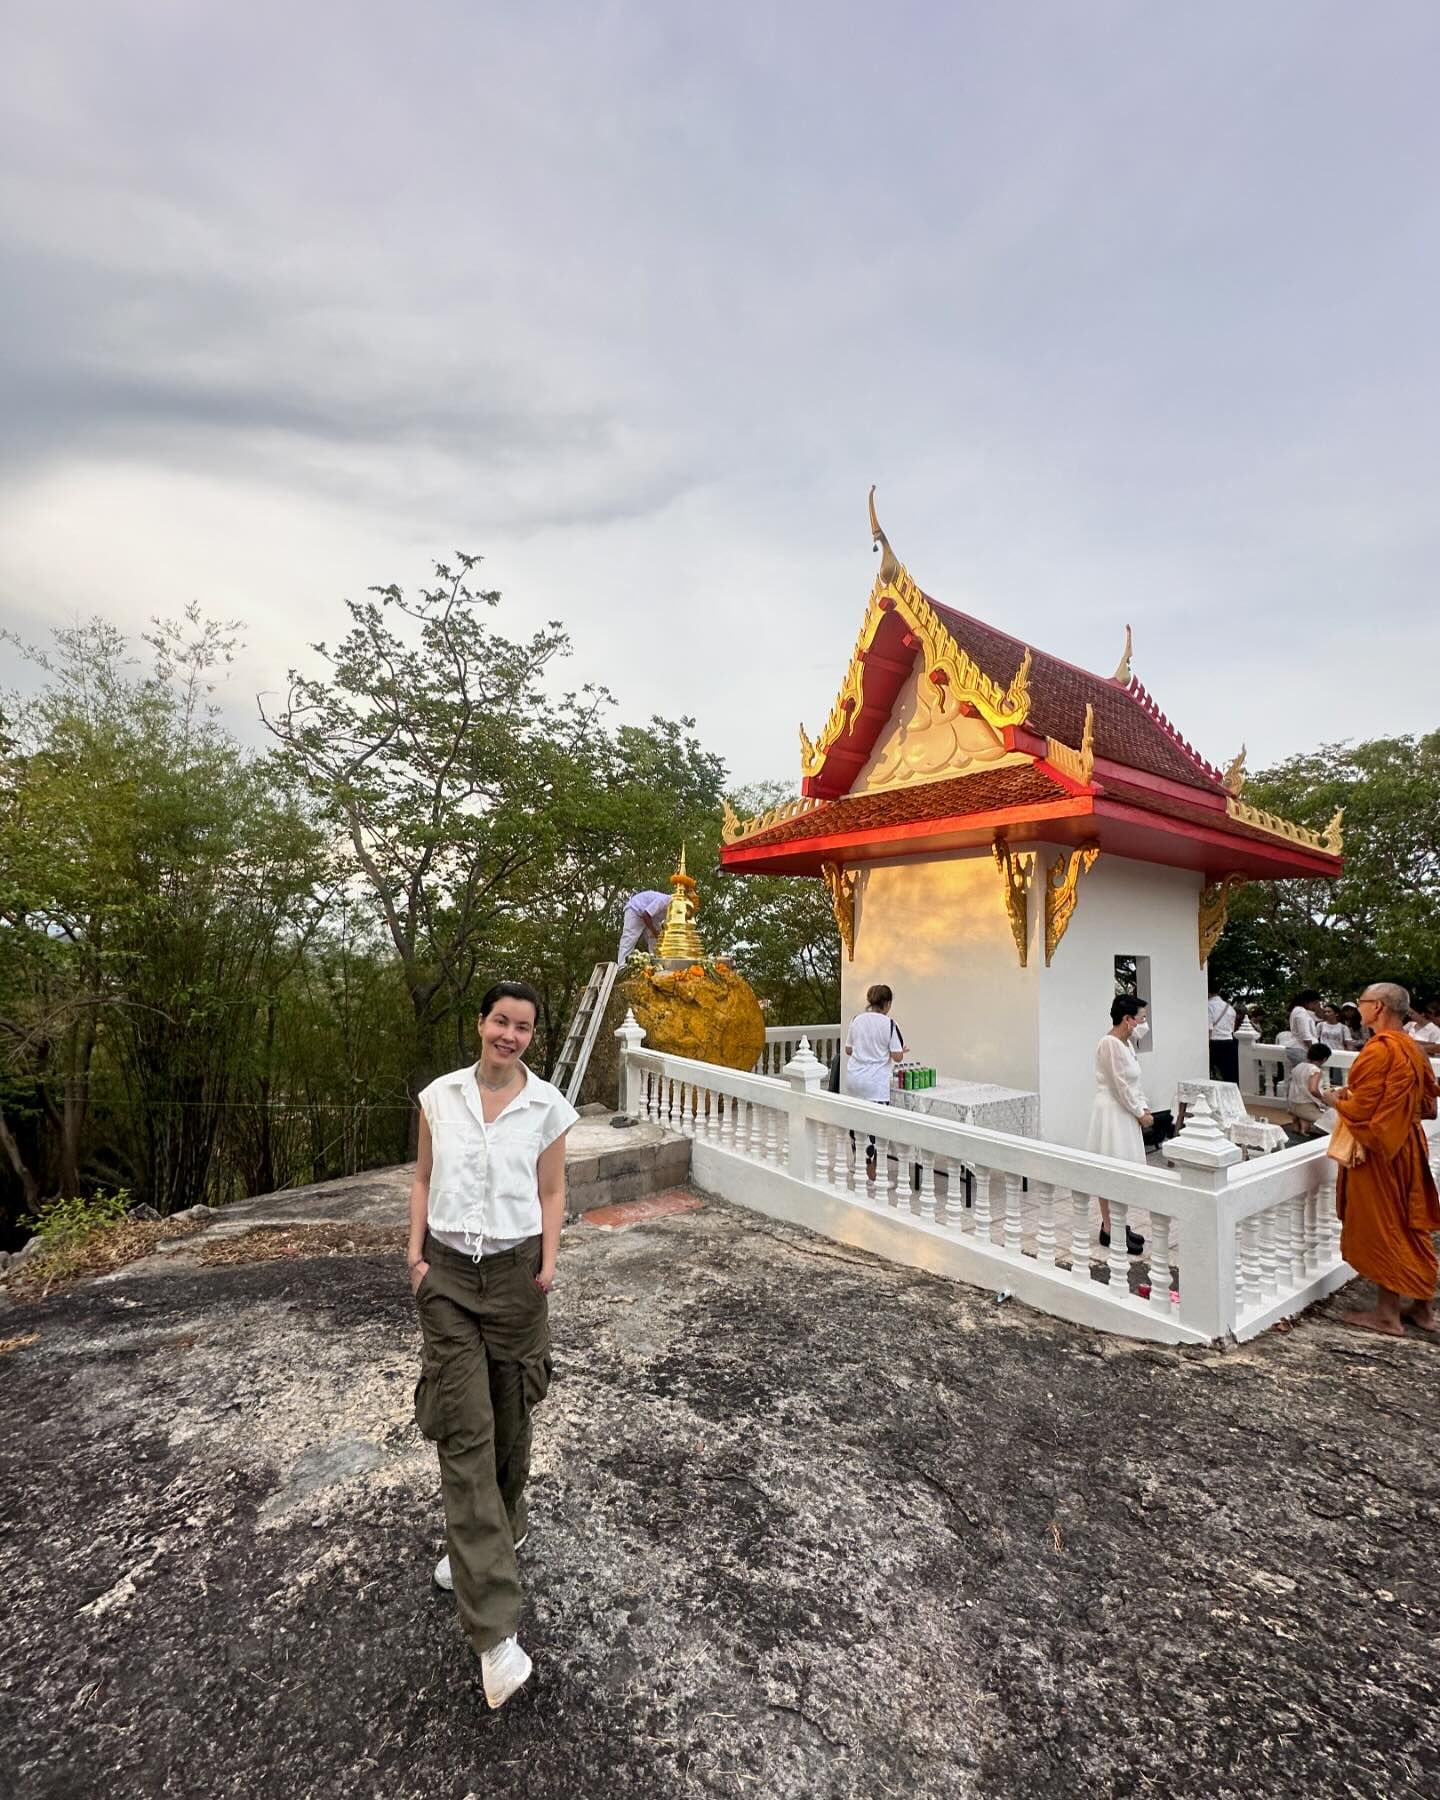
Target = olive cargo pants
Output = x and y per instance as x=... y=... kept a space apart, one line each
x=486 y=1363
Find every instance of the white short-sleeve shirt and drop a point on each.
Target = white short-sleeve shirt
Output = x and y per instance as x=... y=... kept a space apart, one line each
x=484 y=1179
x=870 y=1068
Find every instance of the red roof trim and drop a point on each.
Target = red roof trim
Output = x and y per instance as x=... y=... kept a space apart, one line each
x=824 y=848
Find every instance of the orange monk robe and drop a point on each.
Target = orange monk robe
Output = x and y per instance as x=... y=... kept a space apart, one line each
x=1388 y=1203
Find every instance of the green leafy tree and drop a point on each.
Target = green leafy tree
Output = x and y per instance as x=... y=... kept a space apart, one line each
x=1381 y=918
x=157 y=882
x=779 y=928
x=458 y=784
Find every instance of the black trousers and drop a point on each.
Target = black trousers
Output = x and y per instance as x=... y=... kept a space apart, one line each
x=1225 y=1060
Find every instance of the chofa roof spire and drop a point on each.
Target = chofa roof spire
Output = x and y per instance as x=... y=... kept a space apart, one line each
x=1122 y=671
x=889 y=562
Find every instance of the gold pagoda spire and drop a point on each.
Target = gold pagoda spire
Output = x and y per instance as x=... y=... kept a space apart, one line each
x=680 y=941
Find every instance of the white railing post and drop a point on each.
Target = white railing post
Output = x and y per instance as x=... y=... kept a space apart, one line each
x=1207 y=1246
x=806 y=1075
x=632 y=1080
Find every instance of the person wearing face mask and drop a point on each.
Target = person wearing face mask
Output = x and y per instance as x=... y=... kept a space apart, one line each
x=1120 y=1114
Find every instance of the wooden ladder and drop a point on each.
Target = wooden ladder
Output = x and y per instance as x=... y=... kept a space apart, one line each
x=574 y=1057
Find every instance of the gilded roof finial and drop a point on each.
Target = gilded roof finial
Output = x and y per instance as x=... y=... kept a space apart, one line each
x=1235 y=774
x=1122 y=673
x=889 y=562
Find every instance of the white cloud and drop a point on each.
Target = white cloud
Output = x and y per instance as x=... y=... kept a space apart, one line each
x=1126 y=310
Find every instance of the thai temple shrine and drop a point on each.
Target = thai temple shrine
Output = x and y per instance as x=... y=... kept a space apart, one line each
x=1009 y=841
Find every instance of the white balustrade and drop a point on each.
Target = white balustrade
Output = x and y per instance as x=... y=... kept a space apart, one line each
x=782 y=1041
x=1253 y=1242
x=1264 y=1072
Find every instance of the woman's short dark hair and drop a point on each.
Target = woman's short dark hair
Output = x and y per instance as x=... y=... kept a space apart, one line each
x=508 y=990
x=879 y=995
x=1318 y=1053
x=1124 y=1006
x=1306 y=995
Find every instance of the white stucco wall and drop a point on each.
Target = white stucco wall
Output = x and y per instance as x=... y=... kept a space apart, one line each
x=1123 y=908
x=937 y=932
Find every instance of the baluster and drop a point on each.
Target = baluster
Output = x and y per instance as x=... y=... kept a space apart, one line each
x=887 y=1161
x=982 y=1204
x=1118 y=1261
x=771 y=1152
x=927 y=1204
x=1266 y=1222
x=652 y=1096
x=1325 y=1207
x=871 y=1149
x=954 y=1203
x=1247 y=1272
x=756 y=1134
x=1044 y=1222
x=1014 y=1235
x=1280 y=1227
x=1298 y=1255
x=1312 y=1232
x=1159 y=1248
x=1079 y=1237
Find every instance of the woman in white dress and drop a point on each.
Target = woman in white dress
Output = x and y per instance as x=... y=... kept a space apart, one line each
x=1120 y=1115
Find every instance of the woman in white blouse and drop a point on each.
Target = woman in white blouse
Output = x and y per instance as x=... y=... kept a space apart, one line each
x=873 y=1046
x=1304 y=1026
x=1120 y=1114
x=486 y=1207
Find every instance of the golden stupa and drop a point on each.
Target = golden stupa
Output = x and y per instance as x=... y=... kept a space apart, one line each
x=680 y=941
x=690 y=1006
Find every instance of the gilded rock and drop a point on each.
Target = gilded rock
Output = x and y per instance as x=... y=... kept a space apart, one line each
x=709 y=1014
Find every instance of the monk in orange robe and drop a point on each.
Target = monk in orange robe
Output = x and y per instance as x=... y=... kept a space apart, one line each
x=1387 y=1203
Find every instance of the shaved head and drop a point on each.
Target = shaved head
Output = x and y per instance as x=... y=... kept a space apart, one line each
x=1389 y=995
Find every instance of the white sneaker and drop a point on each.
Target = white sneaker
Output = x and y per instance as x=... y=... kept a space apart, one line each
x=504 y=1669
x=443 y=1577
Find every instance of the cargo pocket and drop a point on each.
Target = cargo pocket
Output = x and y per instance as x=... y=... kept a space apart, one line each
x=535 y=1373
x=430 y=1400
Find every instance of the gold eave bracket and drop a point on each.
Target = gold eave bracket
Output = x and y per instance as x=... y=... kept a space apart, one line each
x=1016 y=872
x=1061 y=882
x=842 y=898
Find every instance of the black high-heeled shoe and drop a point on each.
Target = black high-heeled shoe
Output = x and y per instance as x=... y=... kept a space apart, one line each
x=1134 y=1243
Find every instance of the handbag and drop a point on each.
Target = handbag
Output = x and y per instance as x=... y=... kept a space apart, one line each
x=1344 y=1147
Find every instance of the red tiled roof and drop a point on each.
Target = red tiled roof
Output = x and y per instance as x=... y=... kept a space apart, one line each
x=1129 y=728
x=991 y=790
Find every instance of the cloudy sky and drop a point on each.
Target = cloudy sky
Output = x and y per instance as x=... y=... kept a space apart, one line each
x=1129 y=309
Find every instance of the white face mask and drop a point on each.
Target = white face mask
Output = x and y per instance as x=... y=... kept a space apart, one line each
x=1141 y=1031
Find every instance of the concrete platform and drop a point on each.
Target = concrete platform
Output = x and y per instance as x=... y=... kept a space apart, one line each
x=603 y=1167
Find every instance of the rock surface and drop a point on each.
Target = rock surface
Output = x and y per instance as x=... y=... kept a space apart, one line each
x=804 y=1524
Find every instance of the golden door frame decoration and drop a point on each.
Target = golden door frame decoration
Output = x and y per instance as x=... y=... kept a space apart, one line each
x=1060 y=885
x=842 y=897
x=1016 y=871
x=1215 y=912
